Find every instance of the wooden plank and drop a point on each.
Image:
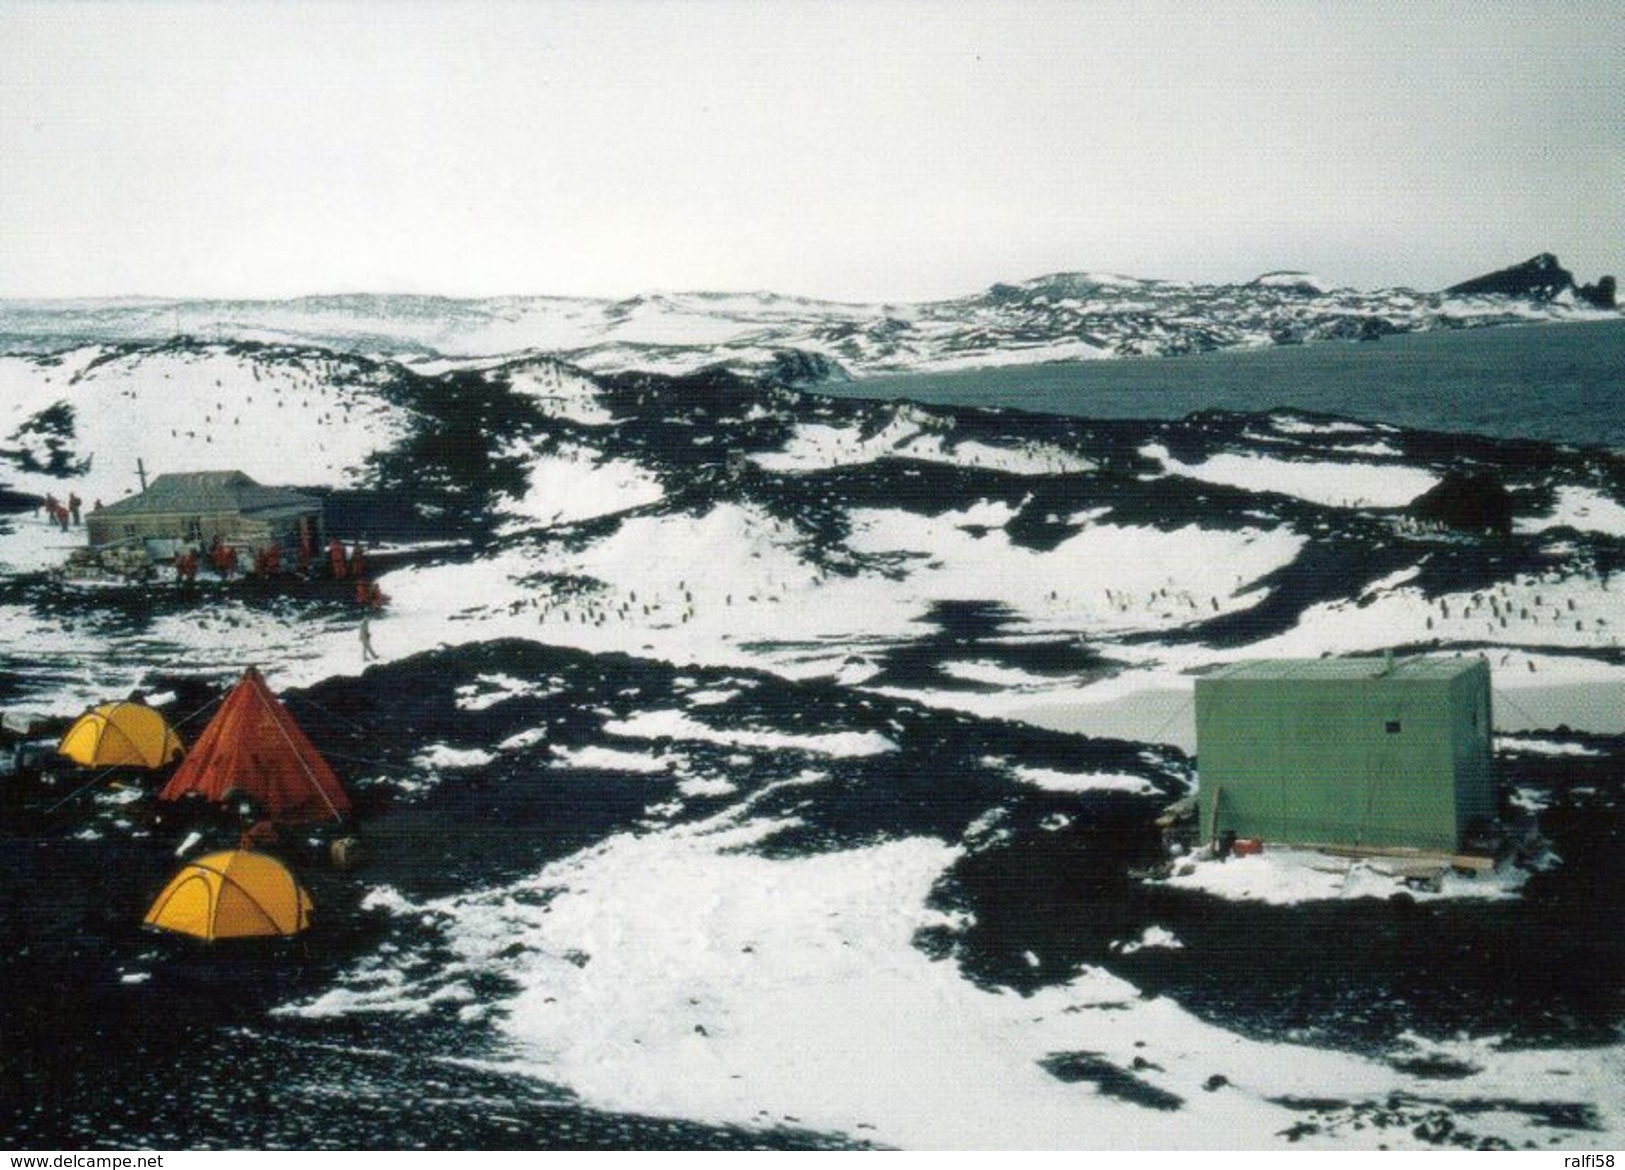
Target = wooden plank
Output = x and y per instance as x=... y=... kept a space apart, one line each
x=1469 y=861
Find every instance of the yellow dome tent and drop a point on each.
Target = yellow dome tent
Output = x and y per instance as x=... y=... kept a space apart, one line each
x=130 y=735
x=232 y=894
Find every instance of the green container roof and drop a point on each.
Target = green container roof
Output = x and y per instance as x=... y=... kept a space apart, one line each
x=1420 y=668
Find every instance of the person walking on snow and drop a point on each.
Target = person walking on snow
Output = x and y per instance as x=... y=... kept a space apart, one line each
x=367 y=652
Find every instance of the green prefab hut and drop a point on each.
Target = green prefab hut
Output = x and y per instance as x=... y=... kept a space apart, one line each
x=1346 y=751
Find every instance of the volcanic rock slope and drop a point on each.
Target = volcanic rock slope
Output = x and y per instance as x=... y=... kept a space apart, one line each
x=723 y=766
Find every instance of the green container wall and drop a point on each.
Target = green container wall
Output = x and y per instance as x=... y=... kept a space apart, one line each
x=1303 y=752
x=1475 y=752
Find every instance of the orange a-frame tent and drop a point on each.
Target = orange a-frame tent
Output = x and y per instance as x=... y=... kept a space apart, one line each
x=252 y=746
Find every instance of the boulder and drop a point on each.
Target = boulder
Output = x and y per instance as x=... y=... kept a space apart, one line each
x=1465 y=500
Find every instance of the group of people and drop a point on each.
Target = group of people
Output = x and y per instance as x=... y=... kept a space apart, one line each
x=62 y=514
x=222 y=558
x=352 y=566
x=225 y=559
x=342 y=565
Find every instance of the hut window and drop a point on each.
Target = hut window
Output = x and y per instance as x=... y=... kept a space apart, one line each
x=1392 y=727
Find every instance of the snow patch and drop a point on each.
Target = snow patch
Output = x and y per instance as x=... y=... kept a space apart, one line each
x=1053 y=781
x=913 y=433
x=601 y=759
x=678 y=726
x=441 y=756
x=487 y=690
x=1152 y=937
x=1337 y=485
x=572 y=483
x=1581 y=508
x=1284 y=876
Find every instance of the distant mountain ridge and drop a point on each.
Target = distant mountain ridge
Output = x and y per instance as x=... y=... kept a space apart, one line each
x=1064 y=316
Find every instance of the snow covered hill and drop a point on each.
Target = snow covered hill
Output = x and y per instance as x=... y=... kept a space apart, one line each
x=710 y=519
x=1060 y=317
x=78 y=420
x=730 y=739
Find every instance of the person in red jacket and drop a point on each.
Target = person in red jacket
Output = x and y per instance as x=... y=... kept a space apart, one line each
x=335 y=558
x=358 y=560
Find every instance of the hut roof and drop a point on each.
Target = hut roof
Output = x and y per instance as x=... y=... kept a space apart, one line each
x=1409 y=668
x=212 y=492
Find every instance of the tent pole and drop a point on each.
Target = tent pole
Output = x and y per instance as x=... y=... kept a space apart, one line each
x=309 y=775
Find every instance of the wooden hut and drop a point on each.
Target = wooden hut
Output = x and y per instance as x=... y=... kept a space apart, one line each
x=194 y=507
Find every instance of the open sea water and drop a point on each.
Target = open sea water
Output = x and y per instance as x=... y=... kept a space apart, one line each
x=1561 y=383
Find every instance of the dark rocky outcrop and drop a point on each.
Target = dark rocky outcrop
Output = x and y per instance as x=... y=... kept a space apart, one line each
x=1365 y=328
x=1540 y=278
x=797 y=368
x=1465 y=500
x=1600 y=294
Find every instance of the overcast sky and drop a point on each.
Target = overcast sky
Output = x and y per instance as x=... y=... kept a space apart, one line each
x=875 y=150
